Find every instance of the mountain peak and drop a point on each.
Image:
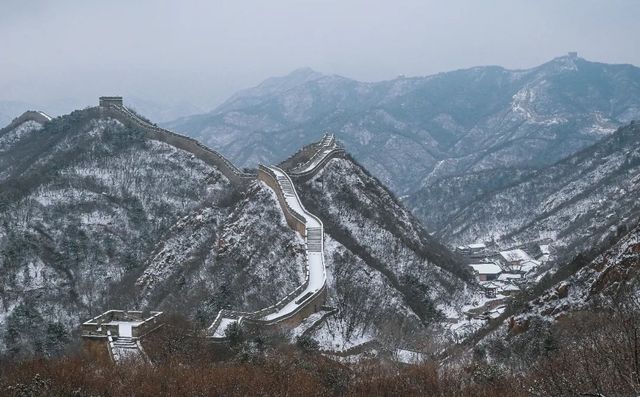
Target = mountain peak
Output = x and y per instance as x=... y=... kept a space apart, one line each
x=305 y=72
x=567 y=62
x=283 y=83
x=270 y=86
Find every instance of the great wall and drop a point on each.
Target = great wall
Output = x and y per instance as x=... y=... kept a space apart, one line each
x=30 y=115
x=231 y=172
x=122 y=330
x=309 y=297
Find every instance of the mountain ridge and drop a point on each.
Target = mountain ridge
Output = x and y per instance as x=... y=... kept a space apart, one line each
x=577 y=201
x=433 y=127
x=101 y=214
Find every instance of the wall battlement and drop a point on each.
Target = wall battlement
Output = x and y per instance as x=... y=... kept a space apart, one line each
x=110 y=101
x=237 y=177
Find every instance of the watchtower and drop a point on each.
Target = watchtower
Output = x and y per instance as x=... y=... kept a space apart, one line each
x=110 y=101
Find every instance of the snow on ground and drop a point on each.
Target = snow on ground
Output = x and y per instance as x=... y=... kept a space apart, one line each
x=7 y=140
x=33 y=277
x=408 y=356
x=45 y=115
x=334 y=335
x=123 y=354
x=222 y=327
x=465 y=328
x=306 y=324
x=495 y=313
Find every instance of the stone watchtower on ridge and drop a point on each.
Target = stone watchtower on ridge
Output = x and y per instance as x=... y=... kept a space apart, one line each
x=110 y=101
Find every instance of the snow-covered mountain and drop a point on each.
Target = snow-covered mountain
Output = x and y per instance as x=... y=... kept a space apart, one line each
x=95 y=213
x=83 y=201
x=389 y=279
x=578 y=203
x=608 y=278
x=413 y=132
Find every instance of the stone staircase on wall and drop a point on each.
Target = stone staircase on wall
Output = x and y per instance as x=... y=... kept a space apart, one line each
x=123 y=349
x=287 y=187
x=314 y=239
x=125 y=342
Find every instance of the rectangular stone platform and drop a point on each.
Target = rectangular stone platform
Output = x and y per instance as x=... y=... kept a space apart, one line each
x=132 y=324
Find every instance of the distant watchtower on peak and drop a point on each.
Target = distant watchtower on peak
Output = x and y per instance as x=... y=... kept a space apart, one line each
x=111 y=101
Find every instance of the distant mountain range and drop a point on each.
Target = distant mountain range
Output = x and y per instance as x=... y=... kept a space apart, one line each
x=453 y=144
x=578 y=203
x=413 y=132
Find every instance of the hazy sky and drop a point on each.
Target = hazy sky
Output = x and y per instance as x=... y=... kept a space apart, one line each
x=203 y=51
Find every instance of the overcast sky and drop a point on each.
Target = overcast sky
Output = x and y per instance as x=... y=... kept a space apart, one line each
x=203 y=51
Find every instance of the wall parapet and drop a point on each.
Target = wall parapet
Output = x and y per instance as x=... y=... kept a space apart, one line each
x=306 y=175
x=29 y=115
x=295 y=220
x=327 y=141
x=300 y=157
x=227 y=168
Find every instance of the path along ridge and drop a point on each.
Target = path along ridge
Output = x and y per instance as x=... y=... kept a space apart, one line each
x=313 y=290
x=314 y=286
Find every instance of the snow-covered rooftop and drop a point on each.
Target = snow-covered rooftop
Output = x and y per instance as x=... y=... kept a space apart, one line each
x=477 y=246
x=500 y=286
x=509 y=276
x=529 y=265
x=486 y=268
x=516 y=255
x=490 y=284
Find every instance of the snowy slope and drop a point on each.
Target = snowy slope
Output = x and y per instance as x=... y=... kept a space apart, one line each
x=611 y=275
x=81 y=206
x=389 y=280
x=245 y=259
x=579 y=203
x=594 y=289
